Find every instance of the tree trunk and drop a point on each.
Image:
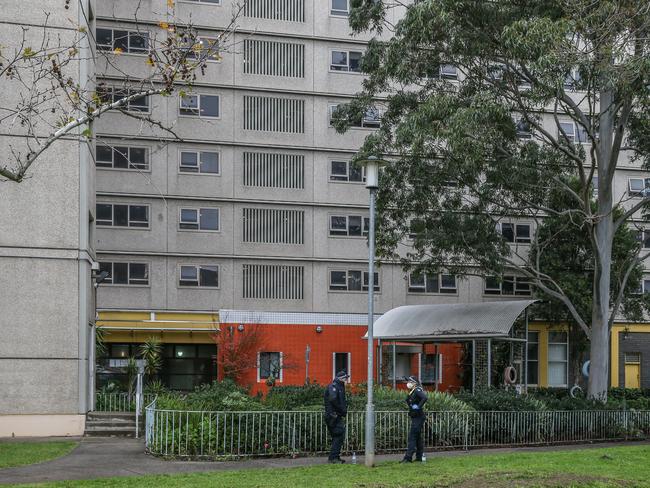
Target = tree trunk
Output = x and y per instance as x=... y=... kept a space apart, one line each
x=604 y=238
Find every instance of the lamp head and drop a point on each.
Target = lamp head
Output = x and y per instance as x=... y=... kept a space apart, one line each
x=372 y=165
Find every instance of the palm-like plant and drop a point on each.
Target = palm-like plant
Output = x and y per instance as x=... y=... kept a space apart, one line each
x=150 y=352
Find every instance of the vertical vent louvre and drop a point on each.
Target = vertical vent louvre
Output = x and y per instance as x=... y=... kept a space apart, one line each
x=274 y=114
x=274 y=58
x=273 y=282
x=273 y=226
x=287 y=10
x=274 y=170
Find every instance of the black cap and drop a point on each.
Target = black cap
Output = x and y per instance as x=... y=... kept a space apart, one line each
x=342 y=375
x=412 y=379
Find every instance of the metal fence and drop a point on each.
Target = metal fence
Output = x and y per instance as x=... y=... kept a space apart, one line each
x=224 y=434
x=118 y=402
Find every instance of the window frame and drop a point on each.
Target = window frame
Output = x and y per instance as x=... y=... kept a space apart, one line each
x=577 y=133
x=338 y=13
x=198 y=114
x=348 y=271
x=128 y=226
x=193 y=54
x=197 y=268
x=364 y=230
x=565 y=362
x=113 y=148
x=515 y=280
x=198 y=219
x=280 y=377
x=638 y=193
x=348 y=69
x=147 y=265
x=536 y=361
x=516 y=239
x=348 y=164
x=218 y=3
x=410 y=287
x=198 y=159
x=129 y=107
x=129 y=33
x=332 y=106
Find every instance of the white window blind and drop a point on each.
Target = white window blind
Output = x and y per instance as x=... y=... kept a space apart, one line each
x=274 y=114
x=273 y=226
x=274 y=58
x=273 y=281
x=274 y=170
x=288 y=10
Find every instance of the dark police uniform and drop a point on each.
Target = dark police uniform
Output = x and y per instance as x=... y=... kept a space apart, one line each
x=336 y=408
x=417 y=397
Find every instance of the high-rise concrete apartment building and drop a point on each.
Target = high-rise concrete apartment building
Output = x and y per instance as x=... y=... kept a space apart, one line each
x=257 y=217
x=46 y=238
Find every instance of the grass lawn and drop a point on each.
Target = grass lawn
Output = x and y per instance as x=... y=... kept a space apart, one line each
x=21 y=453
x=609 y=467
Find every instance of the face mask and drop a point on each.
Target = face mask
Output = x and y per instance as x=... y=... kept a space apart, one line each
x=410 y=386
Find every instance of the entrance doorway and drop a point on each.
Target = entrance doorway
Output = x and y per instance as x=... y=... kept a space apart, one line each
x=632 y=370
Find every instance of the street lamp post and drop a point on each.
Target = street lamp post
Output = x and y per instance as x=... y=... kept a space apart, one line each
x=372 y=183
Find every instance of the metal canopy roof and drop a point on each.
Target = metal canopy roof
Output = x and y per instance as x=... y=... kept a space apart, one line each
x=450 y=321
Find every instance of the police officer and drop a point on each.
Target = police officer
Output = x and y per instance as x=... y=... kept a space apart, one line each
x=415 y=401
x=336 y=408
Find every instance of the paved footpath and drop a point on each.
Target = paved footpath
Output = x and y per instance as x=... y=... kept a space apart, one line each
x=102 y=457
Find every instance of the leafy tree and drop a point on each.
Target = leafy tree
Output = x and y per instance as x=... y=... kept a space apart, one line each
x=150 y=351
x=566 y=256
x=547 y=93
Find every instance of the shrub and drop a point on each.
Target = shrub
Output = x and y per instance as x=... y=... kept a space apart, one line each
x=222 y=395
x=294 y=397
x=501 y=400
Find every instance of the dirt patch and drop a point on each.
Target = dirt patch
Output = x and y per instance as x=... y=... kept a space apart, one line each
x=531 y=480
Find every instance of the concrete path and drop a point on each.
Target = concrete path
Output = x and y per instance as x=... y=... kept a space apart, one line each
x=102 y=457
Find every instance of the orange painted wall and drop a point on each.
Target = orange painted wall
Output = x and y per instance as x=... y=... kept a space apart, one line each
x=292 y=340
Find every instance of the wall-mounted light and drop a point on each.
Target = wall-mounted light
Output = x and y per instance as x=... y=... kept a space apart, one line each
x=626 y=333
x=319 y=329
x=240 y=327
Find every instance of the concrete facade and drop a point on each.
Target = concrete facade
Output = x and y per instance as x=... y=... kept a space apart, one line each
x=46 y=249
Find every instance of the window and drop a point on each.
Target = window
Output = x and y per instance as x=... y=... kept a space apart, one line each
x=346 y=61
x=643 y=286
x=203 y=49
x=269 y=365
x=441 y=71
x=402 y=365
x=109 y=94
x=533 y=358
x=431 y=368
x=273 y=58
x=199 y=275
x=199 y=106
x=121 y=157
x=273 y=226
x=273 y=114
x=573 y=133
x=340 y=8
x=347 y=171
x=274 y=170
x=349 y=225
x=350 y=280
x=273 y=281
x=509 y=285
x=114 y=215
x=341 y=361
x=125 y=273
x=523 y=129
x=514 y=232
x=122 y=40
x=210 y=2
x=558 y=359
x=202 y=219
x=186 y=366
x=638 y=186
x=287 y=10
x=645 y=236
x=199 y=162
x=428 y=283
x=371 y=119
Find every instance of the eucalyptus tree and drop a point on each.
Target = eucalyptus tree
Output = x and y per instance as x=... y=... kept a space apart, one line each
x=487 y=108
